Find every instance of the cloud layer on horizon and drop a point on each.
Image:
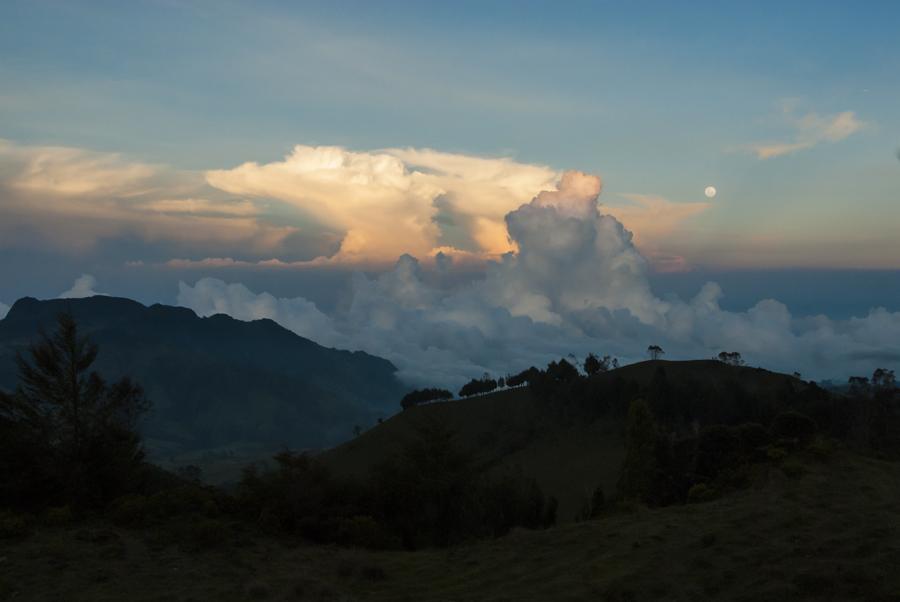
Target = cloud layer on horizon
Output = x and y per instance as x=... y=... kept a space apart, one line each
x=576 y=284
x=319 y=205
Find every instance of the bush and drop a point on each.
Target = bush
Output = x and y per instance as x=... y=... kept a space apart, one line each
x=59 y=517
x=776 y=454
x=753 y=437
x=793 y=468
x=794 y=426
x=206 y=534
x=130 y=511
x=701 y=492
x=183 y=500
x=718 y=448
x=365 y=532
x=13 y=525
x=821 y=448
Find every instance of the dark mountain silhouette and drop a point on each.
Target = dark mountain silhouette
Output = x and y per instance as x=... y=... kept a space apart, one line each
x=217 y=381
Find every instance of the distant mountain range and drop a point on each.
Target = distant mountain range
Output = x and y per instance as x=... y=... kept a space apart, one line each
x=218 y=381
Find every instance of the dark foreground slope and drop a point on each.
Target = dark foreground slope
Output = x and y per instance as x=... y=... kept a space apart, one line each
x=815 y=528
x=217 y=381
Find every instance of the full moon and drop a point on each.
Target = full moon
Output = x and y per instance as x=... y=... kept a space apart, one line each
x=710 y=191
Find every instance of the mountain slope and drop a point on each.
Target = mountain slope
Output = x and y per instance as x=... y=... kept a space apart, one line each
x=217 y=381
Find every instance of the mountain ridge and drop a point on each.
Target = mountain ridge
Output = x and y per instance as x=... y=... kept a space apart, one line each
x=216 y=380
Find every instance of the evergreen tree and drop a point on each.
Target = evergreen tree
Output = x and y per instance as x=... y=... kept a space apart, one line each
x=83 y=427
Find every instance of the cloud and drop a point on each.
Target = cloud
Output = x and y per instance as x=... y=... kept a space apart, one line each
x=74 y=200
x=210 y=296
x=810 y=130
x=392 y=201
x=318 y=205
x=82 y=287
x=4 y=309
x=575 y=284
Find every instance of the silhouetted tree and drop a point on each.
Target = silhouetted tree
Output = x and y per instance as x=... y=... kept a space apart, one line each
x=561 y=372
x=418 y=396
x=478 y=386
x=859 y=385
x=655 y=352
x=523 y=377
x=884 y=379
x=732 y=358
x=84 y=426
x=595 y=365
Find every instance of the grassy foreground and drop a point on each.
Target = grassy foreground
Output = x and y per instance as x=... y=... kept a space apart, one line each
x=815 y=528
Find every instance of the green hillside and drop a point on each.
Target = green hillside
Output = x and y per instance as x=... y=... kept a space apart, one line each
x=568 y=450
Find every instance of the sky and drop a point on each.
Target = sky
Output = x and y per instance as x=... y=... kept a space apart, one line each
x=325 y=153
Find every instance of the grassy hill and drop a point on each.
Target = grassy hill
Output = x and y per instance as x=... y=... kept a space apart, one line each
x=826 y=528
x=568 y=451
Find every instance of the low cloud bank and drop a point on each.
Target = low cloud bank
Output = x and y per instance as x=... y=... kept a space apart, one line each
x=82 y=287
x=4 y=309
x=576 y=284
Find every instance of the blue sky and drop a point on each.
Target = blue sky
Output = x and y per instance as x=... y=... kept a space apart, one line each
x=661 y=99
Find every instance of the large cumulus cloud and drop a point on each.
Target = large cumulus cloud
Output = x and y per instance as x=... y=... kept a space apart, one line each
x=317 y=206
x=575 y=283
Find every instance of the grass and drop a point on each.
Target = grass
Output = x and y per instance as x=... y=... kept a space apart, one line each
x=831 y=531
x=508 y=432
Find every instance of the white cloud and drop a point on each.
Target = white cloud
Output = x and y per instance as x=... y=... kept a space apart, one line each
x=210 y=296
x=388 y=202
x=82 y=287
x=4 y=309
x=319 y=204
x=577 y=283
x=71 y=199
x=810 y=130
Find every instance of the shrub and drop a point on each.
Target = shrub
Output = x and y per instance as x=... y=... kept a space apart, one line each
x=793 y=468
x=794 y=426
x=364 y=531
x=59 y=517
x=753 y=437
x=701 y=492
x=718 y=448
x=130 y=510
x=776 y=454
x=183 y=500
x=13 y=525
x=821 y=448
x=206 y=534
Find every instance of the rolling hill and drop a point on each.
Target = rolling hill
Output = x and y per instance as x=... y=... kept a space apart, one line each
x=569 y=448
x=217 y=383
